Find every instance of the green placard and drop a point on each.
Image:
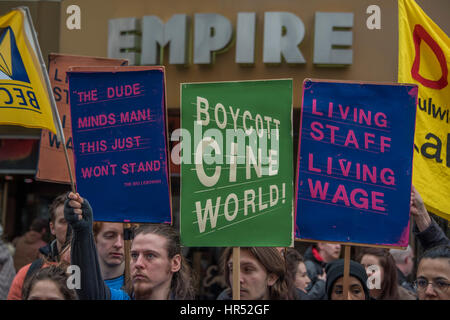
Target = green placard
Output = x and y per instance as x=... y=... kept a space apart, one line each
x=236 y=164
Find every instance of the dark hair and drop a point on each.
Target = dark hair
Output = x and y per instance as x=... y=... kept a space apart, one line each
x=52 y=273
x=272 y=261
x=389 y=286
x=38 y=224
x=182 y=286
x=58 y=201
x=439 y=252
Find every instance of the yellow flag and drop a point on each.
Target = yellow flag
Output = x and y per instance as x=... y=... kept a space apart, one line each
x=24 y=99
x=424 y=59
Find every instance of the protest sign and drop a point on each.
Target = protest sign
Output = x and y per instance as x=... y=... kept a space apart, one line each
x=236 y=163
x=52 y=166
x=355 y=162
x=120 y=145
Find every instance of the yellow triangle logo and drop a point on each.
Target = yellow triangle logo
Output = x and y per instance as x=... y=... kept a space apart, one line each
x=5 y=56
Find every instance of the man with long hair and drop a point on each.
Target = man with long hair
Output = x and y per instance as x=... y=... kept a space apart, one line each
x=157 y=267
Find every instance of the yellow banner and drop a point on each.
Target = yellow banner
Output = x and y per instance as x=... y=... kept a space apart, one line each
x=424 y=59
x=24 y=97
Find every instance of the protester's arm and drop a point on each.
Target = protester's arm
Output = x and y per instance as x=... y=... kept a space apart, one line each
x=426 y=229
x=78 y=213
x=418 y=211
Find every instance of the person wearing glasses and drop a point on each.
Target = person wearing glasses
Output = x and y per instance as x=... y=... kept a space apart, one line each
x=433 y=274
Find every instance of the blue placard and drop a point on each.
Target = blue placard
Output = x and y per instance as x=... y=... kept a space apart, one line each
x=119 y=139
x=355 y=162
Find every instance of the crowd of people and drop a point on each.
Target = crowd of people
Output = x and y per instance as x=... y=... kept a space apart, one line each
x=158 y=269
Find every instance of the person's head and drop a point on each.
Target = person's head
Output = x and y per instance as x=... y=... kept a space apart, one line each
x=39 y=225
x=58 y=225
x=262 y=273
x=157 y=263
x=329 y=251
x=433 y=274
x=404 y=259
x=48 y=283
x=357 y=286
x=296 y=266
x=109 y=242
x=380 y=264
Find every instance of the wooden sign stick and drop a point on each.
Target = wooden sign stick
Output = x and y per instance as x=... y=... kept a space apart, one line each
x=346 y=280
x=236 y=273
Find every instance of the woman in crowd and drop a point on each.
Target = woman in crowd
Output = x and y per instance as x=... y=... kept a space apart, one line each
x=296 y=269
x=433 y=274
x=357 y=286
x=158 y=270
x=7 y=271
